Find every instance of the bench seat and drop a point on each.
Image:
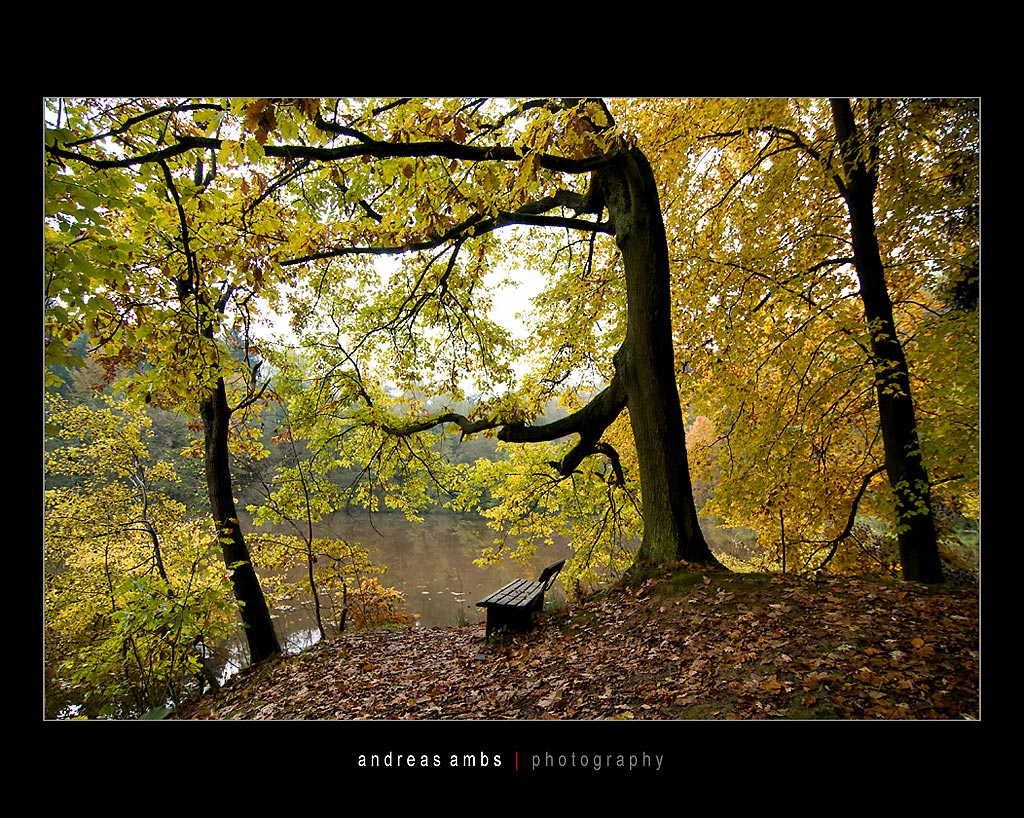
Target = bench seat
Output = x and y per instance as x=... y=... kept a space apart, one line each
x=513 y=605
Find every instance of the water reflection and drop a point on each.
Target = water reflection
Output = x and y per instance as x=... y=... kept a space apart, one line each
x=431 y=563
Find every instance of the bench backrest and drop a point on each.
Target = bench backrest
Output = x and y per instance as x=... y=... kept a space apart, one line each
x=547 y=576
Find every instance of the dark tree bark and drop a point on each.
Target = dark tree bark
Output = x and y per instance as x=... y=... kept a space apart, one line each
x=646 y=364
x=216 y=415
x=908 y=479
x=259 y=628
x=645 y=374
x=645 y=377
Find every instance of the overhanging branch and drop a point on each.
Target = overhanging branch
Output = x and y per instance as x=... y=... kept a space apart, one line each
x=184 y=145
x=466 y=426
x=532 y=213
x=589 y=423
x=443 y=149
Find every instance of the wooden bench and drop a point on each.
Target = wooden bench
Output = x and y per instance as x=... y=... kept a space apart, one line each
x=513 y=605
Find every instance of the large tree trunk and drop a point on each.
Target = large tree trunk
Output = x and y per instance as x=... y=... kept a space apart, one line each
x=259 y=628
x=646 y=365
x=645 y=373
x=908 y=479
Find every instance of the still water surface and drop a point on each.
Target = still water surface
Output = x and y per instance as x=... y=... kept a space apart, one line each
x=431 y=563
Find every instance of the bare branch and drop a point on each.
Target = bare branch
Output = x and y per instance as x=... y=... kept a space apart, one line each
x=848 y=528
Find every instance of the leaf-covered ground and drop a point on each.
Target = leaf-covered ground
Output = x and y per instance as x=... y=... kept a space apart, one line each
x=688 y=646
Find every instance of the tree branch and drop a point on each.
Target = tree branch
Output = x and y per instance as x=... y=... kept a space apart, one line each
x=443 y=149
x=184 y=145
x=476 y=225
x=135 y=120
x=190 y=285
x=589 y=423
x=467 y=426
x=848 y=529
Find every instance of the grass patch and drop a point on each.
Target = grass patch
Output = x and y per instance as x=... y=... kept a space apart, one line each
x=817 y=712
x=710 y=710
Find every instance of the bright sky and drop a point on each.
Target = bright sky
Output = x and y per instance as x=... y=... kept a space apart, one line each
x=510 y=301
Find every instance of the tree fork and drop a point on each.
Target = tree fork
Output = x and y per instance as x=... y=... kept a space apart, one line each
x=646 y=364
x=645 y=375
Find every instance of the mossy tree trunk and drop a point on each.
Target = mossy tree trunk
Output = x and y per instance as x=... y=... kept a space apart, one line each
x=908 y=479
x=646 y=364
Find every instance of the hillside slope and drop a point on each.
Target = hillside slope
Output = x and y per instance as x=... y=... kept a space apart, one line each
x=689 y=645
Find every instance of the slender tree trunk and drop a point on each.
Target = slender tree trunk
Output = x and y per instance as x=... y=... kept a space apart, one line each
x=908 y=479
x=314 y=591
x=646 y=364
x=259 y=628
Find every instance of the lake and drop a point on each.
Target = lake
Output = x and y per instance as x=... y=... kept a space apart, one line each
x=430 y=563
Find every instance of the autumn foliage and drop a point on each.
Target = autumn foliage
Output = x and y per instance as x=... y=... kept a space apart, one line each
x=752 y=315
x=686 y=646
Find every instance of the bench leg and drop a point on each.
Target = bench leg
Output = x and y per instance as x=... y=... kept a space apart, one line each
x=511 y=618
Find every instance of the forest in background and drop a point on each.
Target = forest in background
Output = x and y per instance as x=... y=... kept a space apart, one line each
x=794 y=365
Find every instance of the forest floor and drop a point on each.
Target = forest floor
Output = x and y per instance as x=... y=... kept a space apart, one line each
x=689 y=645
